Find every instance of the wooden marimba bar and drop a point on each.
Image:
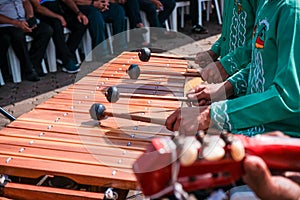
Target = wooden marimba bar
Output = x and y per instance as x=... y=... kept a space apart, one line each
x=58 y=151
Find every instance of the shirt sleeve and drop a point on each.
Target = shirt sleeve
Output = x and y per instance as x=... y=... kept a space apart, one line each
x=216 y=47
x=239 y=81
x=281 y=99
x=237 y=59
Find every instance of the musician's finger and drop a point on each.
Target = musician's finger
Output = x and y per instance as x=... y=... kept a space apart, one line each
x=202 y=102
x=171 y=120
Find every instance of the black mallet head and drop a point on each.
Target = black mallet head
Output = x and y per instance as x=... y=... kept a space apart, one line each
x=144 y=54
x=133 y=71
x=97 y=111
x=112 y=94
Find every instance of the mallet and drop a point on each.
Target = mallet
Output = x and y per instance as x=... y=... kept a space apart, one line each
x=145 y=54
x=98 y=112
x=113 y=95
x=134 y=72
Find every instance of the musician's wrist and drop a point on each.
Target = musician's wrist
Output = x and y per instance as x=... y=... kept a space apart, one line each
x=229 y=90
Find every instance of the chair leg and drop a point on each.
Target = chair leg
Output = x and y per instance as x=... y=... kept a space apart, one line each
x=87 y=46
x=14 y=65
x=218 y=11
x=200 y=12
x=44 y=68
x=146 y=23
x=1 y=79
x=208 y=9
x=174 y=19
x=51 y=56
x=110 y=38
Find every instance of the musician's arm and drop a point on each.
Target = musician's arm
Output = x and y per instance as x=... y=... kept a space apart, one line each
x=237 y=59
x=274 y=101
x=239 y=81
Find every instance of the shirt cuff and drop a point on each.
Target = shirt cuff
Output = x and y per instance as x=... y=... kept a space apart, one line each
x=219 y=116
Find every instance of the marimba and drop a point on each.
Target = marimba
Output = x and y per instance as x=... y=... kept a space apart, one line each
x=58 y=151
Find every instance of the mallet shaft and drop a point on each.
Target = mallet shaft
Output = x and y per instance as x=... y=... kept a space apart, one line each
x=169 y=73
x=158 y=121
x=127 y=95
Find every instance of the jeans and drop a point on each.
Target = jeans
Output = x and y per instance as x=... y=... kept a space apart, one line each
x=65 y=50
x=157 y=19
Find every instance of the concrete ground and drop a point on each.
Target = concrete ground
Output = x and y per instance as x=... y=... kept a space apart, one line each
x=19 y=98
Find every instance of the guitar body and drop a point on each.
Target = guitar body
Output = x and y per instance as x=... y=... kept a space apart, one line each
x=154 y=172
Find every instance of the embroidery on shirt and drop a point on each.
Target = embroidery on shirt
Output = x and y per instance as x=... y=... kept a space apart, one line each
x=261 y=34
x=220 y=116
x=257 y=80
x=237 y=29
x=252 y=131
x=233 y=66
x=239 y=83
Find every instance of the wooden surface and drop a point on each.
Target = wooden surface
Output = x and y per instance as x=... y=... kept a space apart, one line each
x=59 y=138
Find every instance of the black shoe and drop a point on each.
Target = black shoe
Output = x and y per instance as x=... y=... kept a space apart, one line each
x=71 y=67
x=32 y=76
x=199 y=29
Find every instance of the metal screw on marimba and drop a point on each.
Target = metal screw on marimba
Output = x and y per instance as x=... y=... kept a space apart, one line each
x=7 y=160
x=110 y=194
x=114 y=172
x=21 y=150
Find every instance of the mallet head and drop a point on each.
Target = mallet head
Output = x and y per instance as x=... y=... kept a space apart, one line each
x=112 y=94
x=144 y=54
x=97 y=111
x=133 y=71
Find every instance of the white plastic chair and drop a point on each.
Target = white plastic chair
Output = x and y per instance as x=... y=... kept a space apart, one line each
x=15 y=63
x=182 y=5
x=147 y=26
x=87 y=46
x=208 y=9
x=110 y=37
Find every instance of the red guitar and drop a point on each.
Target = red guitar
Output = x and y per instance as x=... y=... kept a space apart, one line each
x=154 y=170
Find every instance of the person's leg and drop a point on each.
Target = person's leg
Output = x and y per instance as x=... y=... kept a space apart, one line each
x=196 y=27
x=4 y=41
x=77 y=32
x=97 y=30
x=169 y=6
x=19 y=46
x=116 y=16
x=194 y=11
x=149 y=8
x=62 y=50
x=132 y=9
x=41 y=34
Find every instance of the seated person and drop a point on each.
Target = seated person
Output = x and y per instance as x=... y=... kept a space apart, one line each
x=13 y=27
x=157 y=12
x=233 y=46
x=99 y=13
x=270 y=82
x=63 y=15
x=196 y=27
